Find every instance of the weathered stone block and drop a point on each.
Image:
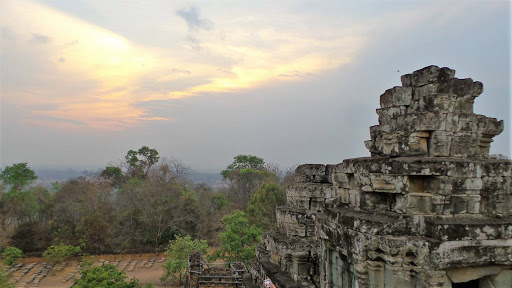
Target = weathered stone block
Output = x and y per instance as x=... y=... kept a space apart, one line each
x=355 y=199
x=502 y=279
x=419 y=203
x=396 y=96
x=473 y=205
x=400 y=204
x=312 y=173
x=427 y=75
x=423 y=91
x=376 y=274
x=459 y=204
x=344 y=195
x=467 y=274
x=431 y=102
x=487 y=125
x=440 y=144
x=466 y=123
x=464 y=104
x=461 y=87
x=387 y=183
x=459 y=145
x=418 y=143
x=473 y=183
x=363 y=182
x=452 y=122
x=426 y=121
x=341 y=180
x=452 y=254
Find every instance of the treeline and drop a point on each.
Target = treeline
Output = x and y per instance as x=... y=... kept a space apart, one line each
x=139 y=205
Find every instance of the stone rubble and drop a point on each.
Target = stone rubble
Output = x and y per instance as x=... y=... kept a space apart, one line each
x=428 y=209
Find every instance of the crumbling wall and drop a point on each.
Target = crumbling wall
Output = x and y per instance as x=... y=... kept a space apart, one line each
x=289 y=256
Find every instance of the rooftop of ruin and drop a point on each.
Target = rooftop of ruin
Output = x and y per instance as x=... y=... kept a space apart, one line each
x=431 y=115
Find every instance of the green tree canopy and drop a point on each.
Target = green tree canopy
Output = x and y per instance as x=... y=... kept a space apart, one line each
x=140 y=161
x=261 y=209
x=177 y=256
x=238 y=240
x=17 y=176
x=243 y=164
x=245 y=175
x=114 y=174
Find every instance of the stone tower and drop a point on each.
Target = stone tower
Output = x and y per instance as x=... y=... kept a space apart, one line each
x=427 y=209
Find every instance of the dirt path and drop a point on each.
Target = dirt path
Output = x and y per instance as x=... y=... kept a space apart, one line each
x=34 y=272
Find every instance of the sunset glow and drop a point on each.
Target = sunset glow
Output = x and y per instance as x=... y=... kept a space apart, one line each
x=115 y=66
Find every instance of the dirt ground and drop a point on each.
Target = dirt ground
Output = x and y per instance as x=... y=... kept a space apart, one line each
x=139 y=266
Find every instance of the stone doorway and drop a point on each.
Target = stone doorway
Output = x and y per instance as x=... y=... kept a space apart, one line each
x=470 y=284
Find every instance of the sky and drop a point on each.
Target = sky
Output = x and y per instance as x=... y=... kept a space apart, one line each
x=82 y=82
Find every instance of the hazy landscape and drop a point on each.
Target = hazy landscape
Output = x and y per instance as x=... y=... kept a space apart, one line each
x=47 y=176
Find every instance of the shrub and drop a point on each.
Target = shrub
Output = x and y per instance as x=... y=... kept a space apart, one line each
x=59 y=253
x=106 y=276
x=10 y=255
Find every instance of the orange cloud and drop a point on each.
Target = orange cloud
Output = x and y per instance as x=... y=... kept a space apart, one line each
x=97 y=78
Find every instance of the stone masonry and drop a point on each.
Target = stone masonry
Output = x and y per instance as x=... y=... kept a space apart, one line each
x=427 y=209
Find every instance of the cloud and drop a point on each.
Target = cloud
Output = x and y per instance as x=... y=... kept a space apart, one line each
x=7 y=33
x=107 y=76
x=40 y=39
x=180 y=71
x=195 y=44
x=296 y=74
x=191 y=17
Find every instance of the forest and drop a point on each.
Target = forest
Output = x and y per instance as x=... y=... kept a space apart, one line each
x=138 y=206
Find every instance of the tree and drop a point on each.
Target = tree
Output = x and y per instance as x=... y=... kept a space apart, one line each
x=84 y=215
x=154 y=209
x=243 y=164
x=238 y=240
x=17 y=176
x=114 y=174
x=11 y=255
x=59 y=253
x=177 y=256
x=140 y=161
x=212 y=206
x=261 y=209
x=106 y=276
x=245 y=175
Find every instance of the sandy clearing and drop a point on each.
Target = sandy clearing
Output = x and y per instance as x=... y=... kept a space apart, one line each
x=55 y=279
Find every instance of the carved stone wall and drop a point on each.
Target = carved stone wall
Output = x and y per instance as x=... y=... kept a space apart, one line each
x=428 y=209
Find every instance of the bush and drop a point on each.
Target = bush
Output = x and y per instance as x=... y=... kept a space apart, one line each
x=106 y=276
x=10 y=255
x=59 y=253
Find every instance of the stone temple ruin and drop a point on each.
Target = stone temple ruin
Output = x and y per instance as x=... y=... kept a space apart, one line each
x=427 y=209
